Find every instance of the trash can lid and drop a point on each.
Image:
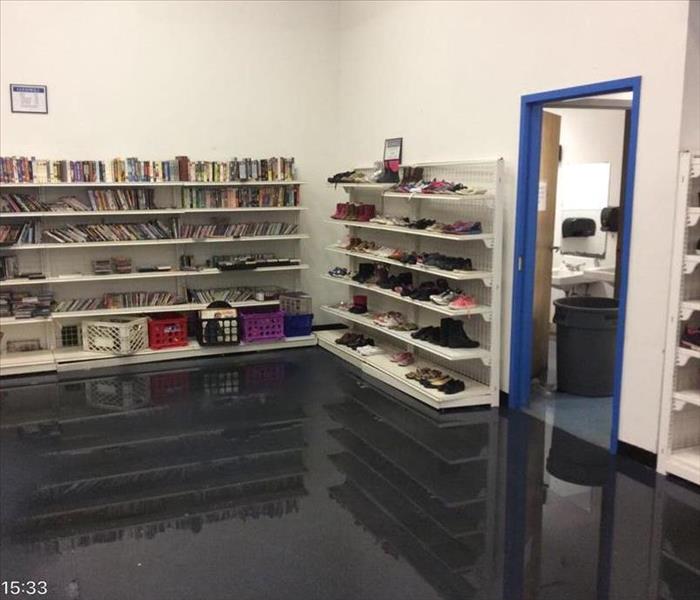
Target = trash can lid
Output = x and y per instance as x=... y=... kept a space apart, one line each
x=587 y=303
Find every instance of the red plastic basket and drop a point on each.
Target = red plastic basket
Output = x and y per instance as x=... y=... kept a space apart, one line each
x=167 y=331
x=259 y=326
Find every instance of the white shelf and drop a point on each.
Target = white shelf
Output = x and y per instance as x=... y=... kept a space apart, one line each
x=484 y=237
x=156 y=211
x=688 y=308
x=16 y=363
x=688 y=396
x=693 y=216
x=679 y=442
x=685 y=354
x=365 y=186
x=136 y=275
x=103 y=312
x=73 y=359
x=405 y=337
x=456 y=275
x=418 y=196
x=169 y=241
x=478 y=310
x=9 y=321
x=685 y=463
x=142 y=184
x=380 y=367
x=690 y=263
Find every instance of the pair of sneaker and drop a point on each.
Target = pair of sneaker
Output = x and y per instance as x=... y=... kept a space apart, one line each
x=454 y=300
x=403 y=359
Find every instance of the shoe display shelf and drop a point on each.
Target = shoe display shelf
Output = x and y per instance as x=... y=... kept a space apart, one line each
x=679 y=436
x=479 y=367
x=68 y=269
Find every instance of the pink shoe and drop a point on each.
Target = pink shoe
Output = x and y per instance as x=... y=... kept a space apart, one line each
x=461 y=302
x=408 y=359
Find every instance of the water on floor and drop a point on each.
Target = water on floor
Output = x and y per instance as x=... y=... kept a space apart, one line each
x=585 y=417
x=288 y=476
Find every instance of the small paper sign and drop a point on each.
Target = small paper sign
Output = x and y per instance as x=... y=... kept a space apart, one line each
x=29 y=98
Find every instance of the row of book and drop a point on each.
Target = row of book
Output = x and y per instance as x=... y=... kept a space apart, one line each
x=23 y=233
x=234 y=230
x=112 y=232
x=23 y=169
x=9 y=267
x=25 y=305
x=98 y=200
x=117 y=301
x=240 y=197
x=230 y=295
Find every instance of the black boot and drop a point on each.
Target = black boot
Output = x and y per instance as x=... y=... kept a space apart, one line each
x=364 y=272
x=457 y=338
x=445 y=325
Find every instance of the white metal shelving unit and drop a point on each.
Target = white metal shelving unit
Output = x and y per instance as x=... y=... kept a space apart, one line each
x=478 y=368
x=679 y=439
x=69 y=275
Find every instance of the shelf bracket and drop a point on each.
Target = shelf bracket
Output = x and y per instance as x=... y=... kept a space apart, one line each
x=487 y=282
x=682 y=360
x=689 y=267
x=489 y=243
x=486 y=360
x=693 y=219
x=678 y=405
x=486 y=316
x=685 y=313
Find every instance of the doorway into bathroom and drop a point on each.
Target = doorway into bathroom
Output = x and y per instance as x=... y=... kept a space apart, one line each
x=572 y=241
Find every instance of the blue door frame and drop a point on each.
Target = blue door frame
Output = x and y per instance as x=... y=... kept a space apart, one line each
x=526 y=235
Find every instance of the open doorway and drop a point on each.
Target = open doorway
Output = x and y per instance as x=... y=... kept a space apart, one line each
x=572 y=244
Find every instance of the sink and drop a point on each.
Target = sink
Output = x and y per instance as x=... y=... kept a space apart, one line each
x=605 y=274
x=563 y=278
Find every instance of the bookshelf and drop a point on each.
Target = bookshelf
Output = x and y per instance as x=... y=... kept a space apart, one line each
x=68 y=273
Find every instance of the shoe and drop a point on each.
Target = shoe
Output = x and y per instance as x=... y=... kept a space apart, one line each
x=345 y=338
x=690 y=338
x=444 y=298
x=359 y=305
x=454 y=335
x=364 y=272
x=339 y=177
x=339 y=272
x=408 y=359
x=369 y=350
x=461 y=302
x=453 y=386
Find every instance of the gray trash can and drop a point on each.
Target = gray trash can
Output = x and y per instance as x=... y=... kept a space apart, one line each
x=586 y=328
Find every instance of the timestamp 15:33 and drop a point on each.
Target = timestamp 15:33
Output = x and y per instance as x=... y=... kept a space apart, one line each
x=27 y=588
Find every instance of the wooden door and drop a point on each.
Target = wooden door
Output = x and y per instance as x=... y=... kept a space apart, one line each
x=549 y=165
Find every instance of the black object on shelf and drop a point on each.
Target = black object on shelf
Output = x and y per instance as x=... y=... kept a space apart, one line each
x=578 y=227
x=610 y=219
x=219 y=329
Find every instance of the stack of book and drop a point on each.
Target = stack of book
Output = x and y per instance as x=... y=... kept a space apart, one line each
x=102 y=267
x=121 y=264
x=24 y=305
x=8 y=267
x=109 y=232
x=26 y=233
x=246 y=197
x=231 y=295
x=23 y=169
x=120 y=199
x=14 y=203
x=235 y=230
x=65 y=204
x=116 y=301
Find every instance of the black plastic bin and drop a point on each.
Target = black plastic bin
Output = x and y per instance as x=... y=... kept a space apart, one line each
x=586 y=328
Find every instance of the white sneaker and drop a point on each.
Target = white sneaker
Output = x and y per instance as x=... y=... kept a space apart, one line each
x=369 y=350
x=443 y=299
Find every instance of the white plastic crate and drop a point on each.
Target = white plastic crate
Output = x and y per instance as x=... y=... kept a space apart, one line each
x=116 y=336
x=118 y=393
x=296 y=303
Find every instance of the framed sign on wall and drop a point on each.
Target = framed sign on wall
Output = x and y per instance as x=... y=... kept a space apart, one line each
x=26 y=98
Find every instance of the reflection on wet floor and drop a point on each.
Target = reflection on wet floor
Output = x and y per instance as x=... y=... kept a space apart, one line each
x=286 y=475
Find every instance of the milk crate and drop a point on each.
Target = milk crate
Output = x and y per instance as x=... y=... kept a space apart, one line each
x=218 y=325
x=296 y=303
x=121 y=336
x=298 y=325
x=262 y=326
x=167 y=331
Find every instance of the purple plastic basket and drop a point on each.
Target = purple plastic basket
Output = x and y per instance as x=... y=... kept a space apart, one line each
x=259 y=326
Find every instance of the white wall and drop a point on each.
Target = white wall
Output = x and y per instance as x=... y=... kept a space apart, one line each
x=211 y=80
x=448 y=77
